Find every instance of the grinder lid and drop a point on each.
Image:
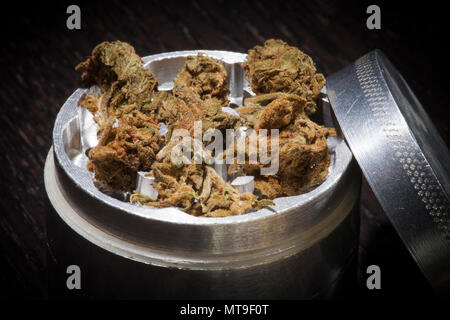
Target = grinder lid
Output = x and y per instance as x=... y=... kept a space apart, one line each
x=402 y=156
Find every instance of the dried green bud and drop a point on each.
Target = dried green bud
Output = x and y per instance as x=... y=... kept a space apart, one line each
x=130 y=147
x=119 y=72
x=203 y=77
x=278 y=67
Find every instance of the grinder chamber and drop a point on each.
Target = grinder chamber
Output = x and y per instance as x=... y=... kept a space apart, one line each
x=299 y=248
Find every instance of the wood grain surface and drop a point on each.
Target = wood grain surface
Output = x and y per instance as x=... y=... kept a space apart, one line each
x=37 y=59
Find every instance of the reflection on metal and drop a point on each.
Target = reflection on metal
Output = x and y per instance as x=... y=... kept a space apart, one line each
x=244 y=184
x=145 y=185
x=401 y=155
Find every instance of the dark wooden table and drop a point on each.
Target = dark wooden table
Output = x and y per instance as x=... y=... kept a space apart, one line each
x=38 y=55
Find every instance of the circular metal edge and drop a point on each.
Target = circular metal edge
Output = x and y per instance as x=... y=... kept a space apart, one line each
x=138 y=252
x=393 y=163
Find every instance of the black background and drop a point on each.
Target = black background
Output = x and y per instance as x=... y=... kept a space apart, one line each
x=38 y=55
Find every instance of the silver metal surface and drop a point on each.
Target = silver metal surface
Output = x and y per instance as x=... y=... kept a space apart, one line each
x=401 y=155
x=313 y=233
x=244 y=184
x=230 y=111
x=144 y=185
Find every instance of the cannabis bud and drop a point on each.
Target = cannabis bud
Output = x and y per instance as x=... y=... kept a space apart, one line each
x=138 y=126
x=278 y=67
